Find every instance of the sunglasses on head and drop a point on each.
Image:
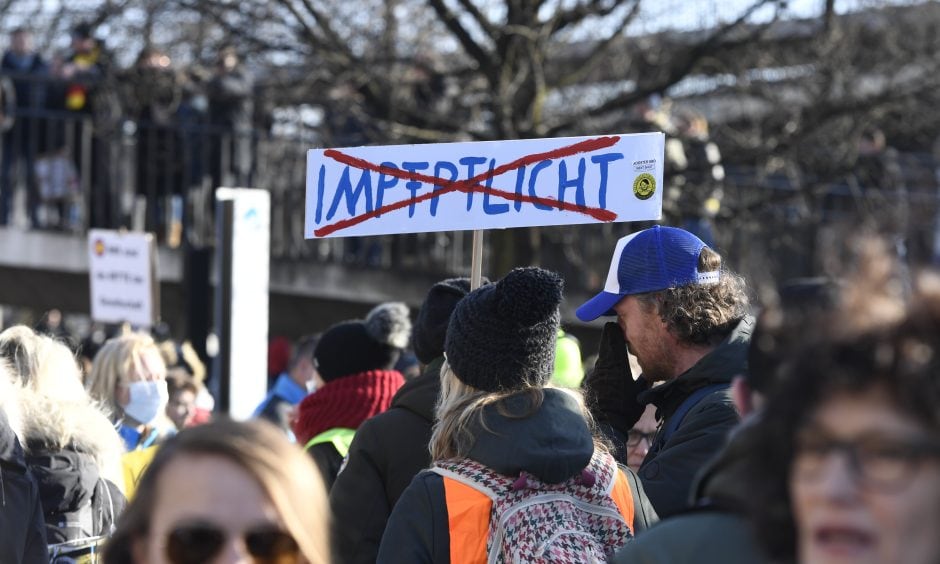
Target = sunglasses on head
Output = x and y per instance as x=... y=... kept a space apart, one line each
x=197 y=543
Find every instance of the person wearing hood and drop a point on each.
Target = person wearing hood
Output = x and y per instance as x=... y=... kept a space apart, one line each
x=22 y=527
x=685 y=318
x=355 y=360
x=515 y=463
x=70 y=445
x=392 y=447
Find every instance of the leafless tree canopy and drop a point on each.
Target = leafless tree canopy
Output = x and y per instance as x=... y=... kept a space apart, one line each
x=788 y=95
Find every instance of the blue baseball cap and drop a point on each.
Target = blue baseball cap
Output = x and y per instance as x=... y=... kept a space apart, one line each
x=654 y=259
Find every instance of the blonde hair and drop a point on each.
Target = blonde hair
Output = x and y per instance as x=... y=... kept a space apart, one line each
x=42 y=363
x=285 y=473
x=113 y=364
x=54 y=409
x=460 y=407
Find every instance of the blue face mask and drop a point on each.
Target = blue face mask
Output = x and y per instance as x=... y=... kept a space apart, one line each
x=147 y=399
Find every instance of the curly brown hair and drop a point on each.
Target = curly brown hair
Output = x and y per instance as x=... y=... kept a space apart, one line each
x=702 y=314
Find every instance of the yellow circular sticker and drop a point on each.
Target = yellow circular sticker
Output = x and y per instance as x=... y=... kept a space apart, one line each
x=644 y=186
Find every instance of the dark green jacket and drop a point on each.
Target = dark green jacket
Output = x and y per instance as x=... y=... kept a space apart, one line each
x=670 y=468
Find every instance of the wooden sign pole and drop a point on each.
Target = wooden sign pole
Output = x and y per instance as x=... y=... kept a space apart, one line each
x=476 y=264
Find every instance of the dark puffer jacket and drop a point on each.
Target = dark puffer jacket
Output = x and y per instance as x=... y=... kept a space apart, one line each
x=716 y=530
x=22 y=530
x=76 y=501
x=552 y=444
x=388 y=451
x=670 y=468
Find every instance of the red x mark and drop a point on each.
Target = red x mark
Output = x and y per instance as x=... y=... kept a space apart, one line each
x=471 y=184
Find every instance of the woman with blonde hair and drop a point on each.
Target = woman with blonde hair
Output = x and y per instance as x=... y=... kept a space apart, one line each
x=128 y=378
x=517 y=473
x=226 y=491
x=70 y=445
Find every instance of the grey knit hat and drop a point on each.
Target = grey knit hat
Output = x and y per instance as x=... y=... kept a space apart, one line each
x=373 y=343
x=501 y=337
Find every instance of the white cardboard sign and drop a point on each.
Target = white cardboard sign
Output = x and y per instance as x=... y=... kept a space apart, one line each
x=486 y=185
x=122 y=269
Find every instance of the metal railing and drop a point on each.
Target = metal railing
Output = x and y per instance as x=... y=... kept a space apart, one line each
x=107 y=169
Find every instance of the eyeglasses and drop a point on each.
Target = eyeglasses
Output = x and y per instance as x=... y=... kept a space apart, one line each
x=201 y=542
x=634 y=437
x=882 y=462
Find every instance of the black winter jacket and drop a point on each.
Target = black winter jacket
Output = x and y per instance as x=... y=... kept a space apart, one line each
x=717 y=529
x=22 y=530
x=670 y=469
x=553 y=444
x=76 y=501
x=387 y=452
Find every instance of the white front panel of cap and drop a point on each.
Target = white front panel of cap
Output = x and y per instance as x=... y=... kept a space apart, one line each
x=613 y=284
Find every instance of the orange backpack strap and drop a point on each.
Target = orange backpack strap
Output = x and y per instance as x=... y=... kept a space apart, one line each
x=623 y=497
x=468 y=519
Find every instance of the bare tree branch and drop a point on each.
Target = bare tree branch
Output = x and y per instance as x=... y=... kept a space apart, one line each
x=450 y=20
x=485 y=24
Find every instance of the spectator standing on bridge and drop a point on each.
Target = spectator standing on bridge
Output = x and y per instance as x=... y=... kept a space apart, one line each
x=23 y=141
x=685 y=318
x=355 y=360
x=91 y=97
x=392 y=447
x=231 y=108
x=153 y=93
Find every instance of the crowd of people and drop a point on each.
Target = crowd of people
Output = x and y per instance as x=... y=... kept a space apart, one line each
x=707 y=429
x=62 y=114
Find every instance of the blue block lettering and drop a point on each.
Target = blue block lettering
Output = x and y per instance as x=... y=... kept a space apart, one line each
x=364 y=186
x=385 y=182
x=413 y=185
x=603 y=161
x=470 y=163
x=534 y=178
x=488 y=208
x=577 y=182
x=438 y=168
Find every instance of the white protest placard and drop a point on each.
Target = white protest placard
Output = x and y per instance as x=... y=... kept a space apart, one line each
x=486 y=185
x=122 y=269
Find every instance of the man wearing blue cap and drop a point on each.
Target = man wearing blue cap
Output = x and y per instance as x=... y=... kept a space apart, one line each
x=685 y=318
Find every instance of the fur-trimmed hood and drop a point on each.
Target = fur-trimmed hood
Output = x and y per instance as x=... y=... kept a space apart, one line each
x=50 y=425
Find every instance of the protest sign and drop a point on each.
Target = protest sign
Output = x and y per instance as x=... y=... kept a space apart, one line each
x=122 y=271
x=486 y=185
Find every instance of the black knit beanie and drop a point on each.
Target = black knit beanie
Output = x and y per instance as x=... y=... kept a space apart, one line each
x=431 y=325
x=501 y=337
x=374 y=343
